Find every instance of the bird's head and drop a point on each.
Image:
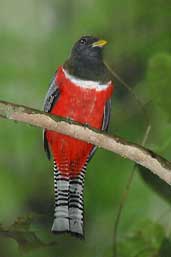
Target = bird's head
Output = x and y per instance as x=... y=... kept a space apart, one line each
x=86 y=59
x=88 y=48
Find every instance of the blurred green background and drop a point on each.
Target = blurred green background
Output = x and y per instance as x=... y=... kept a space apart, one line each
x=35 y=38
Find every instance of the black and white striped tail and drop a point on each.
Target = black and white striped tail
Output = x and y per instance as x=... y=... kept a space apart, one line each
x=76 y=204
x=69 y=205
x=61 y=188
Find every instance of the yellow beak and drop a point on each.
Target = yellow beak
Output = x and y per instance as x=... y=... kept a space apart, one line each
x=99 y=43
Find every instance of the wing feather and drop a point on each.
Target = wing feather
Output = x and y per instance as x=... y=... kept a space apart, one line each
x=50 y=100
x=105 y=124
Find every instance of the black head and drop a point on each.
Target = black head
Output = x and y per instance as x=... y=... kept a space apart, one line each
x=86 y=59
x=88 y=48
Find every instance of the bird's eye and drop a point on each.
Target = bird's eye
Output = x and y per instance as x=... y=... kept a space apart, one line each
x=83 y=41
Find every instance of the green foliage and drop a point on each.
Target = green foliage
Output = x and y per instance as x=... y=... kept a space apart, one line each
x=25 y=237
x=155 y=183
x=165 y=249
x=147 y=239
x=158 y=80
x=144 y=241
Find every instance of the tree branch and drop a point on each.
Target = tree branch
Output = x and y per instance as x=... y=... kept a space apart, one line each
x=157 y=164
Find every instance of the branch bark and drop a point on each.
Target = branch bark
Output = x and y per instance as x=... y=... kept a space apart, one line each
x=145 y=157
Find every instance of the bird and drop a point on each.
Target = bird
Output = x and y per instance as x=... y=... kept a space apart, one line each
x=81 y=90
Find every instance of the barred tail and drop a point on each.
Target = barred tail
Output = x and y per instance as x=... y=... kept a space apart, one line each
x=76 y=205
x=69 y=203
x=61 y=188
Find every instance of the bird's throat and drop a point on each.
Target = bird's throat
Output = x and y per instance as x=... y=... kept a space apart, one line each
x=88 y=70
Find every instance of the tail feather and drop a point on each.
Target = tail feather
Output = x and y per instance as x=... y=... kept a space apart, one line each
x=61 y=188
x=69 y=203
x=76 y=205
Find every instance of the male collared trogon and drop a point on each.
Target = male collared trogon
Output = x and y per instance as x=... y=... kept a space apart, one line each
x=81 y=90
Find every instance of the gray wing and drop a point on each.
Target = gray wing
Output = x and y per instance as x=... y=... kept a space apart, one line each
x=51 y=96
x=50 y=100
x=106 y=117
x=105 y=125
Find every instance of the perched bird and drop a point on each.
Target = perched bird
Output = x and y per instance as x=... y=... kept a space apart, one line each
x=81 y=90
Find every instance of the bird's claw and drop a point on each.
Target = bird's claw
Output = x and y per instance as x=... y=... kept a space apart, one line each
x=86 y=125
x=69 y=120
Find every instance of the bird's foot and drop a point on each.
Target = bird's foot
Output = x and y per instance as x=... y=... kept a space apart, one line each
x=86 y=125
x=69 y=120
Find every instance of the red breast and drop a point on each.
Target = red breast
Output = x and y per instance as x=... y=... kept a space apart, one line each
x=81 y=104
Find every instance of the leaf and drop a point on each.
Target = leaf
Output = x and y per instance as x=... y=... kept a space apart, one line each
x=155 y=183
x=20 y=231
x=165 y=249
x=144 y=241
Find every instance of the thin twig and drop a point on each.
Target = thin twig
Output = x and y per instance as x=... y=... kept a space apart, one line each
x=144 y=250
x=125 y=196
x=130 y=178
x=123 y=82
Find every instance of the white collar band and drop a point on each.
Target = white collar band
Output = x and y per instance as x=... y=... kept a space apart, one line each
x=89 y=84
